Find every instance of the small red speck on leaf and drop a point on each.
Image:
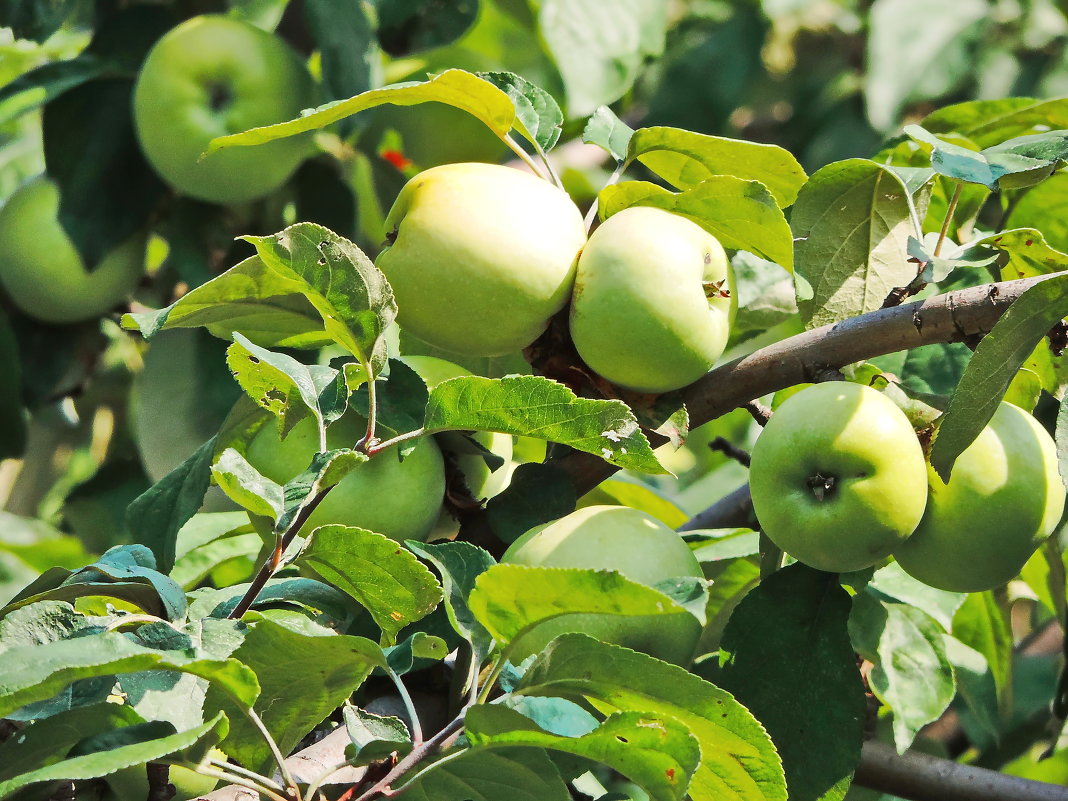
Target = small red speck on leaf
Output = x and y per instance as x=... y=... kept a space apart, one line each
x=397 y=159
x=1028 y=243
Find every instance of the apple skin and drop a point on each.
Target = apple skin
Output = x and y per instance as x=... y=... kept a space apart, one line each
x=1004 y=497
x=131 y=784
x=400 y=499
x=857 y=437
x=481 y=256
x=212 y=76
x=43 y=272
x=619 y=538
x=640 y=317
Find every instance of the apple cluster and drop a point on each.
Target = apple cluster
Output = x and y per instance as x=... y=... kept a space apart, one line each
x=840 y=482
x=481 y=256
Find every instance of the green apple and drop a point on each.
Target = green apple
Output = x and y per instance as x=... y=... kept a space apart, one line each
x=1003 y=499
x=44 y=273
x=838 y=477
x=480 y=256
x=398 y=498
x=131 y=784
x=618 y=538
x=653 y=300
x=212 y=76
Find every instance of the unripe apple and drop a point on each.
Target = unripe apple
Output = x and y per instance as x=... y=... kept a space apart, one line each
x=400 y=499
x=213 y=76
x=619 y=538
x=480 y=256
x=1004 y=497
x=43 y=272
x=131 y=784
x=838 y=477
x=653 y=300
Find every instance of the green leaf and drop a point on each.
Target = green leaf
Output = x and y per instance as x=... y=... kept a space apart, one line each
x=344 y=35
x=738 y=760
x=894 y=582
x=930 y=369
x=654 y=751
x=1017 y=162
x=459 y=564
x=766 y=294
x=997 y=358
x=325 y=471
x=538 y=407
x=302 y=679
x=917 y=687
x=264 y=305
x=685 y=158
x=537 y=115
x=405 y=26
x=802 y=612
x=12 y=415
x=284 y=386
x=121 y=755
x=983 y=625
x=514 y=601
x=1044 y=208
x=1025 y=253
x=40 y=623
x=852 y=223
x=599 y=69
x=383 y=577
x=608 y=132
x=195 y=565
x=452 y=87
x=351 y=294
x=730 y=586
x=246 y=486
x=156 y=515
x=988 y=122
x=402 y=658
x=501 y=774
x=34 y=673
x=35 y=88
x=374 y=737
x=940 y=40
x=975 y=683
x=742 y=215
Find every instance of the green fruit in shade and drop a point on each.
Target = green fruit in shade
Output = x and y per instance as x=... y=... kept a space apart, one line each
x=43 y=272
x=131 y=784
x=213 y=76
x=838 y=477
x=653 y=300
x=481 y=256
x=1004 y=497
x=619 y=538
x=400 y=499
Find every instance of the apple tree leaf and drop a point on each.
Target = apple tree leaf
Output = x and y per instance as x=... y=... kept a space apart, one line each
x=514 y=601
x=383 y=577
x=267 y=307
x=157 y=514
x=536 y=493
x=1024 y=253
x=608 y=132
x=803 y=612
x=37 y=672
x=738 y=760
x=537 y=115
x=121 y=748
x=459 y=565
x=975 y=683
x=351 y=295
x=685 y=158
x=303 y=678
x=533 y=406
x=285 y=387
x=373 y=737
x=656 y=752
x=458 y=88
x=742 y=215
x=894 y=582
x=997 y=358
x=246 y=486
x=982 y=624
x=852 y=224
x=917 y=689
x=326 y=470
x=988 y=122
x=498 y=774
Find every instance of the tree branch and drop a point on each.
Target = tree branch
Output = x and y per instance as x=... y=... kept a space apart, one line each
x=953 y=317
x=921 y=777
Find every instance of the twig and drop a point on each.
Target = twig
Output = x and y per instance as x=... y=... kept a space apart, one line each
x=415 y=756
x=729 y=450
x=734 y=510
x=759 y=412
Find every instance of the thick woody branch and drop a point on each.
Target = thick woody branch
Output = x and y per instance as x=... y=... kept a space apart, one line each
x=921 y=777
x=733 y=510
x=954 y=317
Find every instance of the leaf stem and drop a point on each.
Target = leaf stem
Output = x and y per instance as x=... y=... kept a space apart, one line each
x=397 y=440
x=949 y=218
x=409 y=706
x=242 y=781
x=548 y=165
x=519 y=151
x=280 y=760
x=368 y=440
x=591 y=215
x=251 y=774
